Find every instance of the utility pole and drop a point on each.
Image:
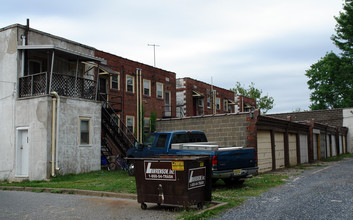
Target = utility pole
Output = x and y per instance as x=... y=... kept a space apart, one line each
x=154 y=52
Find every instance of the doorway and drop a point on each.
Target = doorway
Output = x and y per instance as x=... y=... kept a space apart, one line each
x=22 y=152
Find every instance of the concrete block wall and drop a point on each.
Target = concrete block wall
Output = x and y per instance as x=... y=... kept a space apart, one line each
x=228 y=130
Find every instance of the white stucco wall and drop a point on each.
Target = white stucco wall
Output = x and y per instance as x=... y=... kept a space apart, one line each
x=348 y=122
x=73 y=157
x=8 y=86
x=35 y=114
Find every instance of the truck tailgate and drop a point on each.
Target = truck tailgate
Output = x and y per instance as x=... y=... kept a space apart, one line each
x=236 y=159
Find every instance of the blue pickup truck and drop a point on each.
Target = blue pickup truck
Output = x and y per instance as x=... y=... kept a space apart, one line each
x=231 y=164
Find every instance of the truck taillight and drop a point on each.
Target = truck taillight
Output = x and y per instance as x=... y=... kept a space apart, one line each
x=255 y=156
x=214 y=162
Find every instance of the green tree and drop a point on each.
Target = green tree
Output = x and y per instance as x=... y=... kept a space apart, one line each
x=344 y=30
x=265 y=103
x=331 y=78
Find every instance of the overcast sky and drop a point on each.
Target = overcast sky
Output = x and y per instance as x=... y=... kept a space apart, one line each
x=268 y=42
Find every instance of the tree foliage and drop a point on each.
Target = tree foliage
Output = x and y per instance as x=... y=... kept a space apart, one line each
x=331 y=78
x=265 y=103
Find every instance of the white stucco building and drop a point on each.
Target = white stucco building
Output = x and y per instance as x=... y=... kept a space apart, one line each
x=50 y=119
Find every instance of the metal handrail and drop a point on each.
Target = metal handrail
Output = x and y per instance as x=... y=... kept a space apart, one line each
x=122 y=131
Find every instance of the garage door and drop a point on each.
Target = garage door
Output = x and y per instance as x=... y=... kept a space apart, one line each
x=292 y=139
x=304 y=156
x=279 y=146
x=264 y=155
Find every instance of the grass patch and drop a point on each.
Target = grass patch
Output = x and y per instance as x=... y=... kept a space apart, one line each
x=338 y=158
x=56 y=191
x=37 y=190
x=101 y=180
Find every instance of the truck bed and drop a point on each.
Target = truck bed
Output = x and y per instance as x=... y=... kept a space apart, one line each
x=208 y=146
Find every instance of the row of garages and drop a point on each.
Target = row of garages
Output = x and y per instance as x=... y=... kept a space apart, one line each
x=284 y=143
x=280 y=143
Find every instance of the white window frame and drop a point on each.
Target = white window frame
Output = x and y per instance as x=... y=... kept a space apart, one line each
x=81 y=118
x=133 y=122
x=218 y=103
x=117 y=81
x=149 y=87
x=133 y=83
x=209 y=102
x=162 y=91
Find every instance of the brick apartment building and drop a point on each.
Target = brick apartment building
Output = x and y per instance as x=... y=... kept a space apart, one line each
x=199 y=98
x=130 y=86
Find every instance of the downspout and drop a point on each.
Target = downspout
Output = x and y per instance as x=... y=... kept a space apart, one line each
x=141 y=106
x=55 y=131
x=53 y=139
x=137 y=106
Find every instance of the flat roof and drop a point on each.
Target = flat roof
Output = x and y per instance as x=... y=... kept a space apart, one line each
x=67 y=51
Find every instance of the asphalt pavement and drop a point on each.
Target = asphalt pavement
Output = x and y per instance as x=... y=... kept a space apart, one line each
x=31 y=205
x=319 y=193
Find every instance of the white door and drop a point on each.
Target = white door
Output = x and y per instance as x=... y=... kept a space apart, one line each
x=22 y=153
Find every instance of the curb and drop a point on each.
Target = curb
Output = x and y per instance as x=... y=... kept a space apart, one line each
x=93 y=193
x=71 y=191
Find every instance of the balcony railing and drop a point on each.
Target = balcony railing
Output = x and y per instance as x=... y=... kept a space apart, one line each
x=64 y=85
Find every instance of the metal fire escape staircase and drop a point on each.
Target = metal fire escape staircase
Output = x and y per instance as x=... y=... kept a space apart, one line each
x=117 y=138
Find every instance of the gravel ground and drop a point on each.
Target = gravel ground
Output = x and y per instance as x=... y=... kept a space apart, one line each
x=324 y=192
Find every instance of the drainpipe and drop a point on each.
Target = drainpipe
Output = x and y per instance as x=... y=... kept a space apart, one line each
x=55 y=133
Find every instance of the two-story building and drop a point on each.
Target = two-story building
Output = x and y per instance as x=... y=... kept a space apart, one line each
x=50 y=117
x=195 y=98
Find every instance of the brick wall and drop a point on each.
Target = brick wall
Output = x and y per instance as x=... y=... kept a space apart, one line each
x=155 y=75
x=187 y=86
x=227 y=130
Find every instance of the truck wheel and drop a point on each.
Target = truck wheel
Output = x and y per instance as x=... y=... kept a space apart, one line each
x=143 y=206
x=233 y=182
x=131 y=169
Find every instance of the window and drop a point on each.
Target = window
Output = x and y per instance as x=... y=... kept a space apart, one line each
x=114 y=82
x=225 y=105
x=162 y=138
x=130 y=123
x=218 y=103
x=230 y=108
x=159 y=90
x=147 y=87
x=208 y=102
x=200 y=102
x=129 y=83
x=84 y=128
